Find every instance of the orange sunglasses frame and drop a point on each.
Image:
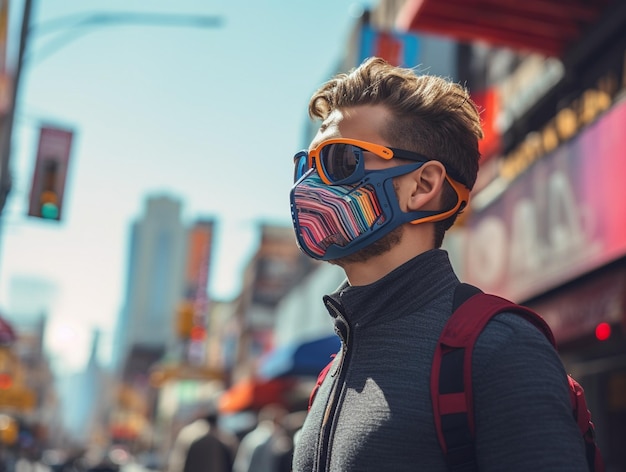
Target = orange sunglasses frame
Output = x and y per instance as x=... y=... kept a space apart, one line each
x=384 y=152
x=381 y=151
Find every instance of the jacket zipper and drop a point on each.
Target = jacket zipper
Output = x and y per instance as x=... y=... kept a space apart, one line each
x=328 y=421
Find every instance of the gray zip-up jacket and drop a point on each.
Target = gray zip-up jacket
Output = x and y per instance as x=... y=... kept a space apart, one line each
x=373 y=411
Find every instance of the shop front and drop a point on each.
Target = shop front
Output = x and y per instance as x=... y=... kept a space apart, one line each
x=546 y=225
x=555 y=239
x=587 y=318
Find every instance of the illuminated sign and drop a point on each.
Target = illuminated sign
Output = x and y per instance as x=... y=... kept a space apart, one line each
x=567 y=122
x=560 y=219
x=564 y=126
x=525 y=86
x=197 y=276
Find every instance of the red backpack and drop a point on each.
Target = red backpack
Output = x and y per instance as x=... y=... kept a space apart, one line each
x=451 y=378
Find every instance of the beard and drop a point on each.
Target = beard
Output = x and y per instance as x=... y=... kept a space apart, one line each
x=377 y=248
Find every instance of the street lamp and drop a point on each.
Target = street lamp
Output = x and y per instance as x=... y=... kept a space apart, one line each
x=75 y=25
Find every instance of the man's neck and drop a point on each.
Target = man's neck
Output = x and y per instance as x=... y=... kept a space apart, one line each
x=368 y=272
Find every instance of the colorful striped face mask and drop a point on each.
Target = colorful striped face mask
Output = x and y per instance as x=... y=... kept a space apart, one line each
x=334 y=221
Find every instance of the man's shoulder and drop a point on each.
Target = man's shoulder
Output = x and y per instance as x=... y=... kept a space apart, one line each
x=513 y=343
x=511 y=327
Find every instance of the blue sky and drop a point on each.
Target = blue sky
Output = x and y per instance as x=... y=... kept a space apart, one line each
x=209 y=116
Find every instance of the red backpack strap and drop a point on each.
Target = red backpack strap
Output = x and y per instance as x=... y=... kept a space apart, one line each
x=583 y=418
x=451 y=374
x=320 y=379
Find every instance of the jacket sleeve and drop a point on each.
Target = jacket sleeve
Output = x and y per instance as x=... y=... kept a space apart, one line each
x=522 y=410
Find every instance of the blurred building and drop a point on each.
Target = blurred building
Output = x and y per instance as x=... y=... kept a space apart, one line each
x=154 y=286
x=275 y=269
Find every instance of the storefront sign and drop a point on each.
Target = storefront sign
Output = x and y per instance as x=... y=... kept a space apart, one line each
x=196 y=279
x=567 y=122
x=562 y=218
x=525 y=86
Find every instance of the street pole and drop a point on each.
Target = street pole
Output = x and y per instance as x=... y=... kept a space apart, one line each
x=6 y=122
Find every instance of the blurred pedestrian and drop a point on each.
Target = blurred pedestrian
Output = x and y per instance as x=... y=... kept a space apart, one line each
x=292 y=422
x=385 y=177
x=262 y=448
x=209 y=453
x=202 y=446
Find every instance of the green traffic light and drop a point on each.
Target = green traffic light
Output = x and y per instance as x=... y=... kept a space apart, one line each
x=49 y=211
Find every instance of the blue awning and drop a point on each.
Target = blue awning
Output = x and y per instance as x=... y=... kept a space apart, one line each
x=303 y=359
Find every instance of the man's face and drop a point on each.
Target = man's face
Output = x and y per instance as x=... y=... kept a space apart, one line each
x=363 y=123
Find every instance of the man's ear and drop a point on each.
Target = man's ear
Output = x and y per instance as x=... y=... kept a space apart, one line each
x=426 y=184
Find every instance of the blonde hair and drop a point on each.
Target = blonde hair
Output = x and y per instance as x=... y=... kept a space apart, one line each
x=431 y=115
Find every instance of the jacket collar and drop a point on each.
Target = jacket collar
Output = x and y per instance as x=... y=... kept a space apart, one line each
x=404 y=290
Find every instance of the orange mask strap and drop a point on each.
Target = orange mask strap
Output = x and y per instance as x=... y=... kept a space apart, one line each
x=462 y=193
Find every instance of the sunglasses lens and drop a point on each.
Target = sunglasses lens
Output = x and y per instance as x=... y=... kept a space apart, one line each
x=340 y=161
x=300 y=165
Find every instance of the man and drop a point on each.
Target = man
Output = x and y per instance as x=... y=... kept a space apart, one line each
x=262 y=449
x=210 y=453
x=384 y=178
x=202 y=446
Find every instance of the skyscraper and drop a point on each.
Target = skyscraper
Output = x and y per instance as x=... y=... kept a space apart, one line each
x=154 y=286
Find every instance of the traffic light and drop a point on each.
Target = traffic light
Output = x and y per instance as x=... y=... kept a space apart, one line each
x=48 y=185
